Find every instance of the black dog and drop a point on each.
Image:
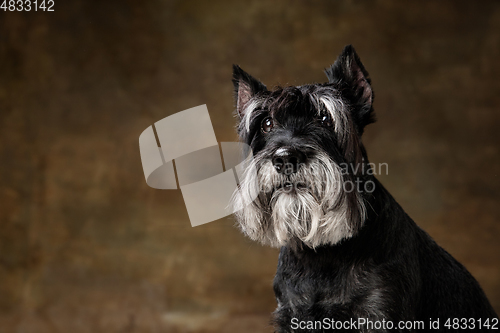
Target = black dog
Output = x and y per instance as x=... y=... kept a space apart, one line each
x=351 y=259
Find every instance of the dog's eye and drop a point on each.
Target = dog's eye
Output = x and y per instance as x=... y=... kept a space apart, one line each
x=326 y=120
x=267 y=124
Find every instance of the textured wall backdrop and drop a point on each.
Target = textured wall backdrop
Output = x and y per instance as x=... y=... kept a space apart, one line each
x=87 y=246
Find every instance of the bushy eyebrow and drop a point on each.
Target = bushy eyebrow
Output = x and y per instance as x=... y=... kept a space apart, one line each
x=254 y=107
x=323 y=99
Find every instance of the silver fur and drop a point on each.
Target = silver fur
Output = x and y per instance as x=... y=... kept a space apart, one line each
x=316 y=210
x=249 y=108
x=324 y=99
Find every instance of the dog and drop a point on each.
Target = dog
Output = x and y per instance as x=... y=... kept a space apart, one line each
x=350 y=258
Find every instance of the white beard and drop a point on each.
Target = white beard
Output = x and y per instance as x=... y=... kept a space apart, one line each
x=315 y=209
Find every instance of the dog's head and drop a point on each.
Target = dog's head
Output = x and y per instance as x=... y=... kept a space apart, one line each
x=306 y=173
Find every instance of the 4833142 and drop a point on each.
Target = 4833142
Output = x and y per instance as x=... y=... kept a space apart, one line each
x=27 y=5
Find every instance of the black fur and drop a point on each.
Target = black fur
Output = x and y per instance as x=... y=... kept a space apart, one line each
x=388 y=268
x=351 y=77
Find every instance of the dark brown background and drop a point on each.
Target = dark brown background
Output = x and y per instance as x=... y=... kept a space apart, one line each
x=87 y=246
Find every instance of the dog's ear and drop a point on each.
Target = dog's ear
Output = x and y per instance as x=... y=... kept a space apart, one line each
x=349 y=73
x=245 y=87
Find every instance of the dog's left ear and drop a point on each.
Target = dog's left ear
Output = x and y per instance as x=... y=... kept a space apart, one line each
x=349 y=73
x=245 y=87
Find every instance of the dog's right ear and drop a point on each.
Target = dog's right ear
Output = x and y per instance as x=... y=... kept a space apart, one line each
x=245 y=87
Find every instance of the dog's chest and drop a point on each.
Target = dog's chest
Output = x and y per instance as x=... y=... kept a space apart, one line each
x=319 y=292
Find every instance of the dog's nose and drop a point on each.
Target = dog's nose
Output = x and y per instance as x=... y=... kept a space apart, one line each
x=288 y=161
